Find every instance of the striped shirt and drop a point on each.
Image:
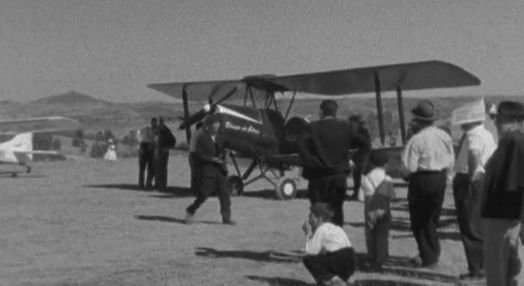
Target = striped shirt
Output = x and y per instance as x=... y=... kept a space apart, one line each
x=429 y=150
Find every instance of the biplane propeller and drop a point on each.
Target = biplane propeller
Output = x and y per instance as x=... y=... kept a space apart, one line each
x=259 y=131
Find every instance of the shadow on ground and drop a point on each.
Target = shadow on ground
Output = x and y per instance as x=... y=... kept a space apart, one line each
x=263 y=256
x=269 y=194
x=278 y=281
x=172 y=219
x=170 y=192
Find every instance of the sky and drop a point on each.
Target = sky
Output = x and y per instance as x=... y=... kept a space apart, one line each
x=111 y=49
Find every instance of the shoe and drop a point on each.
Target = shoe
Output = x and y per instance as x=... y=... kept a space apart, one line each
x=431 y=266
x=189 y=218
x=335 y=281
x=229 y=222
x=415 y=262
x=472 y=276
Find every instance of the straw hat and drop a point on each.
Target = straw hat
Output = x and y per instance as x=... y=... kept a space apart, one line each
x=469 y=113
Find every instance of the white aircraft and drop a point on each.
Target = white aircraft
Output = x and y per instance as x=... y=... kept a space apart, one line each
x=16 y=141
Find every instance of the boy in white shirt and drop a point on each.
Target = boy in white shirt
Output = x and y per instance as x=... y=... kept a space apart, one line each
x=378 y=192
x=330 y=259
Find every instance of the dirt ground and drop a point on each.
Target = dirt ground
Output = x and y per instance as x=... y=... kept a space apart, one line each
x=83 y=222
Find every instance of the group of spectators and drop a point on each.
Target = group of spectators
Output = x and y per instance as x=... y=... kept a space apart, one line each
x=153 y=156
x=488 y=189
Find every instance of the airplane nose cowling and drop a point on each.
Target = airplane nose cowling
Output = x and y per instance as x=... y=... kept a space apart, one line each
x=294 y=128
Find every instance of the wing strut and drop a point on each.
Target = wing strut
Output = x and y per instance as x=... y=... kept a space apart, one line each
x=186 y=112
x=379 y=110
x=401 y=115
x=290 y=104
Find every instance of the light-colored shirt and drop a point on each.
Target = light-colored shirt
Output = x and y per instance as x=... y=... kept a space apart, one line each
x=145 y=134
x=479 y=139
x=194 y=140
x=327 y=238
x=373 y=179
x=429 y=150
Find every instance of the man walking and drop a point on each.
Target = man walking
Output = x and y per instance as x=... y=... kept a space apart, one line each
x=502 y=202
x=164 y=141
x=426 y=161
x=211 y=156
x=325 y=153
x=146 y=151
x=475 y=148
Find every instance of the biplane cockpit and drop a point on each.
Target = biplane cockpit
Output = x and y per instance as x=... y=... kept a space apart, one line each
x=255 y=126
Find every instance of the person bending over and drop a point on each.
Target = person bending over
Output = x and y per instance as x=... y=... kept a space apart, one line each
x=330 y=258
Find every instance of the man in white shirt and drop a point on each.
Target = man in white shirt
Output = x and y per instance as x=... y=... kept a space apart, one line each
x=146 y=136
x=475 y=148
x=426 y=161
x=331 y=259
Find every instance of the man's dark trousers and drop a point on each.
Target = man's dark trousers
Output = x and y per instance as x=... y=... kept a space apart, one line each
x=209 y=184
x=425 y=198
x=194 y=165
x=331 y=190
x=323 y=267
x=161 y=161
x=467 y=203
x=146 y=161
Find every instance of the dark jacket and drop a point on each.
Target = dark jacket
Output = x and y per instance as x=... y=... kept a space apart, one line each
x=325 y=149
x=504 y=181
x=206 y=150
x=166 y=139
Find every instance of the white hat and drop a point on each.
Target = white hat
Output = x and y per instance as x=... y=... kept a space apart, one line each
x=472 y=112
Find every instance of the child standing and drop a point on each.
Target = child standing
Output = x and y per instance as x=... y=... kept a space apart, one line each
x=110 y=155
x=330 y=259
x=378 y=193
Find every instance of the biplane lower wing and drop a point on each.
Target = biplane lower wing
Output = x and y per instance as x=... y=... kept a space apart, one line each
x=43 y=124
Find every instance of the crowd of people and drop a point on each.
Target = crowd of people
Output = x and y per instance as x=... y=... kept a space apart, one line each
x=488 y=189
x=487 y=185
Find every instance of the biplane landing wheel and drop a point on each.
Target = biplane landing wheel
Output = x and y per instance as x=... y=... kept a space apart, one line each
x=235 y=185
x=286 y=188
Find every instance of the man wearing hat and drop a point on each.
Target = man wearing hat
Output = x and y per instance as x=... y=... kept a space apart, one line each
x=502 y=202
x=360 y=157
x=210 y=154
x=426 y=160
x=475 y=148
x=325 y=153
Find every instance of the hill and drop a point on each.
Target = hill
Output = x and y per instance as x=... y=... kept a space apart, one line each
x=70 y=97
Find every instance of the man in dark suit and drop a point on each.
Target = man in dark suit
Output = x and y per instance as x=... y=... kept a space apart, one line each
x=211 y=155
x=164 y=141
x=325 y=153
x=360 y=158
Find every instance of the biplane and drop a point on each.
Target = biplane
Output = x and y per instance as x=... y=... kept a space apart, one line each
x=16 y=141
x=258 y=128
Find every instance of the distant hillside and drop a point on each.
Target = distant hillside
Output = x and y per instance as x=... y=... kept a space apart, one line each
x=70 y=97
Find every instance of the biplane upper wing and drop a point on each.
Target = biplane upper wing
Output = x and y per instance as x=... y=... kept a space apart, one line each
x=43 y=124
x=408 y=76
x=198 y=90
